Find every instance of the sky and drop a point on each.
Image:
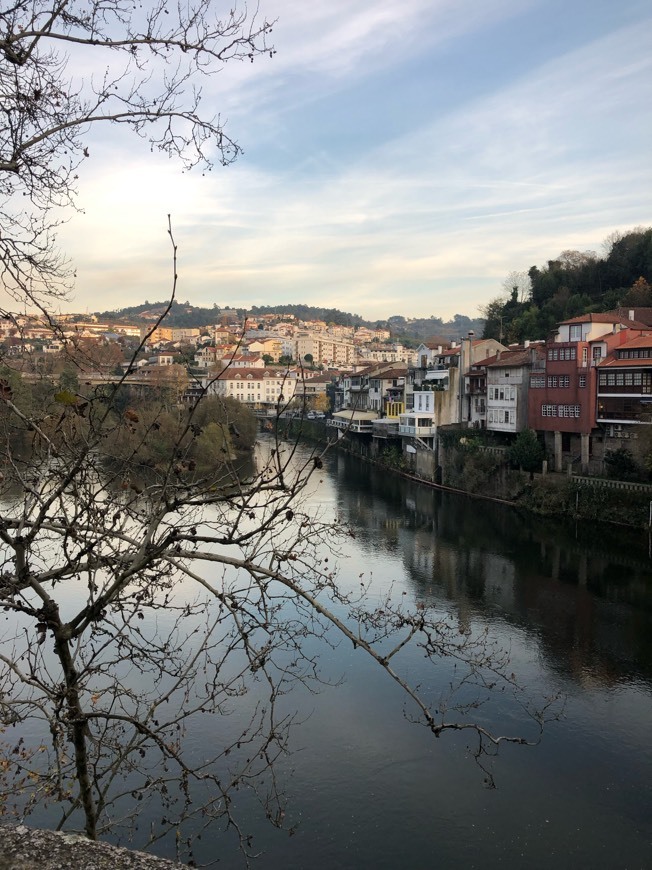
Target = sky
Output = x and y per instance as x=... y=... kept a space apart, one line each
x=401 y=157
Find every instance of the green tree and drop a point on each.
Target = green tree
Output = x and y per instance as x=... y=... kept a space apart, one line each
x=621 y=465
x=69 y=379
x=526 y=452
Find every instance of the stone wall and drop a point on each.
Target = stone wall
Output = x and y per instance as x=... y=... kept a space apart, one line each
x=23 y=848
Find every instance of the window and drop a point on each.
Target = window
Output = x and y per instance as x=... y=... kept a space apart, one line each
x=564 y=380
x=582 y=380
x=597 y=352
x=552 y=381
x=611 y=379
x=548 y=410
x=628 y=379
x=637 y=379
x=585 y=355
x=537 y=382
x=568 y=353
x=506 y=420
x=576 y=332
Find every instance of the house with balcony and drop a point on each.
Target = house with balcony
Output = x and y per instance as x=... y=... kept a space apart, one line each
x=387 y=391
x=624 y=391
x=428 y=351
x=562 y=397
x=353 y=421
x=354 y=389
x=418 y=427
x=508 y=383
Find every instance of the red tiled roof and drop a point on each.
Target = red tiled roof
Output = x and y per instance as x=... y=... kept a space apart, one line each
x=603 y=318
x=509 y=358
x=391 y=374
x=612 y=362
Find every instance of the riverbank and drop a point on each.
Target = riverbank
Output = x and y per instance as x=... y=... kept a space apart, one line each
x=483 y=473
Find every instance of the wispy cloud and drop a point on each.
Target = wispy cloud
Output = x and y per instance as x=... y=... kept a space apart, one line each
x=426 y=220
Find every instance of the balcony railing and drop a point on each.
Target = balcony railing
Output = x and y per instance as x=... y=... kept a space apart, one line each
x=417 y=431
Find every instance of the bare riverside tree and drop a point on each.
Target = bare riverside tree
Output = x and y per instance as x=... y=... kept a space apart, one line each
x=147 y=582
x=154 y=59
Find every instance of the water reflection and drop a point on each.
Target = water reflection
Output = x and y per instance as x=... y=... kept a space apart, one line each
x=369 y=790
x=586 y=597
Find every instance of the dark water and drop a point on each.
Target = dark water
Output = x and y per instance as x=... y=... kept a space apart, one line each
x=369 y=789
x=366 y=788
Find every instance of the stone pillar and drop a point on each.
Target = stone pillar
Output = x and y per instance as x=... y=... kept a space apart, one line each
x=584 y=453
x=558 y=463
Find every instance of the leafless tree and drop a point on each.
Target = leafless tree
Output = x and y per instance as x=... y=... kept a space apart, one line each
x=140 y=599
x=518 y=285
x=152 y=60
x=137 y=605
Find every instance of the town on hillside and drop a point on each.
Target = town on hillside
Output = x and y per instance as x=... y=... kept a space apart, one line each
x=585 y=390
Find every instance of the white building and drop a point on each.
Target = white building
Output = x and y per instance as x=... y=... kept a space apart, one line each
x=257 y=388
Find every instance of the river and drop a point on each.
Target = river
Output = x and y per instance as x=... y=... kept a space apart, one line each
x=369 y=789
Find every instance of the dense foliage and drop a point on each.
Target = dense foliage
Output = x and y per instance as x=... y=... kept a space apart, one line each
x=526 y=451
x=576 y=282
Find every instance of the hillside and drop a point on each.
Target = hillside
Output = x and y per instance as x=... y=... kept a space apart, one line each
x=408 y=330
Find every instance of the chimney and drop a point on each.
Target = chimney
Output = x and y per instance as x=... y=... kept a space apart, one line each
x=526 y=343
x=631 y=314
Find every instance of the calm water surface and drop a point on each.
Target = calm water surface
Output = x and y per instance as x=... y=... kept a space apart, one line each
x=368 y=789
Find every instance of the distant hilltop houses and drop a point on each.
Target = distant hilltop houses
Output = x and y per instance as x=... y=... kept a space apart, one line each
x=585 y=389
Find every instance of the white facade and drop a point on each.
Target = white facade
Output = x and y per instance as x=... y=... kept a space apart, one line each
x=507 y=397
x=257 y=388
